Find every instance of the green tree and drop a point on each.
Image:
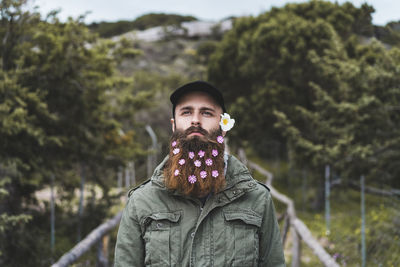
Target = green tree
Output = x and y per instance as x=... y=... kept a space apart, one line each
x=56 y=116
x=354 y=128
x=266 y=63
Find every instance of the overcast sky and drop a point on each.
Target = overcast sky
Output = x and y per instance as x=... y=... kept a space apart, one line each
x=113 y=10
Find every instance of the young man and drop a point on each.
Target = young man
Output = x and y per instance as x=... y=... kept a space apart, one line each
x=201 y=207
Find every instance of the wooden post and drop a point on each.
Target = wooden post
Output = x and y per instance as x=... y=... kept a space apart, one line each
x=296 y=248
x=304 y=190
x=81 y=199
x=363 y=246
x=133 y=172
x=127 y=177
x=52 y=216
x=102 y=252
x=151 y=158
x=242 y=156
x=286 y=226
x=327 y=203
x=119 y=178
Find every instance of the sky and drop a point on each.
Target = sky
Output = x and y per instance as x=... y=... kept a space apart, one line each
x=212 y=10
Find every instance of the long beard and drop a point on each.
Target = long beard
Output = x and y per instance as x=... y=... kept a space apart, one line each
x=196 y=164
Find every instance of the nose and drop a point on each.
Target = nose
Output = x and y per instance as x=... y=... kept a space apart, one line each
x=196 y=119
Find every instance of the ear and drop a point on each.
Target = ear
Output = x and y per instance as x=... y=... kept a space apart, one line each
x=173 y=124
x=223 y=133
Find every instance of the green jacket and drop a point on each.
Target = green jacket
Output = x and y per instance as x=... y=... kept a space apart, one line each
x=236 y=227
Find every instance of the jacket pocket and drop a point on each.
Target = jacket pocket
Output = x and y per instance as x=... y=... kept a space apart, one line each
x=242 y=237
x=161 y=232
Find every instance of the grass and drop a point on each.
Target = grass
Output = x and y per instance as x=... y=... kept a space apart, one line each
x=344 y=240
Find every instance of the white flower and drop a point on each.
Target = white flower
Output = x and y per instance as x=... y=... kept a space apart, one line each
x=226 y=122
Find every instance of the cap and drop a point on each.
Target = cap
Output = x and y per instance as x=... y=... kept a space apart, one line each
x=197 y=86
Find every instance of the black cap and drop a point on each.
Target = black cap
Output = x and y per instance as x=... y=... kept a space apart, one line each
x=197 y=86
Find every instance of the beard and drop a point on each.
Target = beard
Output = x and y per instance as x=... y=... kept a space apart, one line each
x=196 y=164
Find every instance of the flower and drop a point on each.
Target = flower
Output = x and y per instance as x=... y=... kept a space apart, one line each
x=220 y=139
x=201 y=153
x=176 y=151
x=197 y=163
x=208 y=162
x=173 y=144
x=214 y=173
x=191 y=154
x=214 y=152
x=181 y=161
x=176 y=172
x=226 y=122
x=203 y=174
x=192 y=179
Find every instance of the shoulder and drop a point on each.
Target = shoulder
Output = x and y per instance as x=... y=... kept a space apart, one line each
x=263 y=186
x=140 y=186
x=236 y=167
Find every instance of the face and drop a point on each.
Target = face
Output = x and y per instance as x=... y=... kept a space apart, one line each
x=197 y=109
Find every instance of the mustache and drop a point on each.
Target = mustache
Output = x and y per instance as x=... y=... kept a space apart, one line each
x=197 y=129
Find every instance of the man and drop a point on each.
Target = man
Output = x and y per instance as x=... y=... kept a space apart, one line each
x=201 y=207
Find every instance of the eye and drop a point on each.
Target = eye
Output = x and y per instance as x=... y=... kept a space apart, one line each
x=207 y=113
x=185 y=112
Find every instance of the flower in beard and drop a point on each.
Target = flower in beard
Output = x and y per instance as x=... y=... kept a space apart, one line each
x=176 y=151
x=214 y=152
x=197 y=163
x=192 y=179
x=181 y=162
x=201 y=153
x=203 y=174
x=208 y=162
x=214 y=173
x=173 y=144
x=176 y=172
x=220 y=139
x=191 y=154
x=196 y=186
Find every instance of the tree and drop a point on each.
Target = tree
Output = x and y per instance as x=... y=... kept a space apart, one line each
x=333 y=99
x=57 y=116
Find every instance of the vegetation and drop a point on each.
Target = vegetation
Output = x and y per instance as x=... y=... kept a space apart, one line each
x=61 y=115
x=309 y=84
x=109 y=29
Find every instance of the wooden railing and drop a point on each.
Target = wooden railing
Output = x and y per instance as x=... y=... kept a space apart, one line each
x=300 y=229
x=90 y=240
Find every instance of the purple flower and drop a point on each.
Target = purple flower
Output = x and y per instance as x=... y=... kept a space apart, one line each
x=173 y=144
x=220 y=139
x=176 y=173
x=191 y=154
x=197 y=163
x=201 y=153
x=176 y=151
x=208 y=162
x=203 y=174
x=214 y=173
x=214 y=152
x=181 y=161
x=192 y=179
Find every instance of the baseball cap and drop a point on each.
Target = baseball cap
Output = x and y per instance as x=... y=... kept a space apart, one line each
x=197 y=86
